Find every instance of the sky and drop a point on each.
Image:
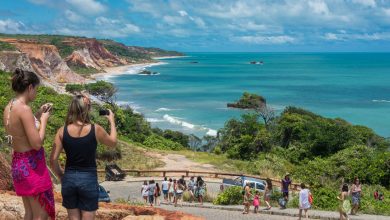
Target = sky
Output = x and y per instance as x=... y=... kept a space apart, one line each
x=211 y=25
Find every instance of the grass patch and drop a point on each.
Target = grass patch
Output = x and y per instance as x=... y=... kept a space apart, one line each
x=7 y=46
x=133 y=157
x=84 y=71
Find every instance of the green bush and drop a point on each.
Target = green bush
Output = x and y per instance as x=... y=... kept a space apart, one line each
x=158 y=142
x=74 y=88
x=230 y=196
x=7 y=46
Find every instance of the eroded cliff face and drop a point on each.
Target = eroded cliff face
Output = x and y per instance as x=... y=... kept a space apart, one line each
x=44 y=60
x=10 y=60
x=92 y=54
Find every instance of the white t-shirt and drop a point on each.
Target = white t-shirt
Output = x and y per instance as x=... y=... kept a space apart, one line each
x=164 y=185
x=144 y=190
x=304 y=199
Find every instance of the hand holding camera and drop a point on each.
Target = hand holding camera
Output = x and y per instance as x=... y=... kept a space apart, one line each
x=108 y=114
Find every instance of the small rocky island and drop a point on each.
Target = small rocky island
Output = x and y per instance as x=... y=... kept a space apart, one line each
x=147 y=72
x=257 y=62
x=248 y=101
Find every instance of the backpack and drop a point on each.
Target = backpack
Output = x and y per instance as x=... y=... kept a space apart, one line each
x=282 y=202
x=311 y=199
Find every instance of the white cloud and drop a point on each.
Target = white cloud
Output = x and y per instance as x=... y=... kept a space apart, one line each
x=386 y=11
x=358 y=36
x=367 y=3
x=319 y=7
x=183 y=13
x=115 y=28
x=198 y=21
x=106 y=21
x=331 y=36
x=72 y=16
x=89 y=7
x=173 y=20
x=11 y=26
x=281 y=39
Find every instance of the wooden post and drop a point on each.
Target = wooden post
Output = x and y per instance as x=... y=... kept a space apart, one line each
x=164 y=174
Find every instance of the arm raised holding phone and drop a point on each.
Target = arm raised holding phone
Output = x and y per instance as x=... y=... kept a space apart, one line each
x=79 y=138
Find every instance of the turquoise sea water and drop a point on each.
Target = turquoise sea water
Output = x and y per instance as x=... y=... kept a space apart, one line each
x=192 y=97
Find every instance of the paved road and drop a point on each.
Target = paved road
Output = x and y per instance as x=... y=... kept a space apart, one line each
x=215 y=214
x=131 y=190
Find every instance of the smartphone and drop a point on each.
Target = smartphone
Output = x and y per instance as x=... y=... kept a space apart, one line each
x=104 y=112
x=48 y=108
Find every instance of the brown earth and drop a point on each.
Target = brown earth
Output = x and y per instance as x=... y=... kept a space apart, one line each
x=11 y=207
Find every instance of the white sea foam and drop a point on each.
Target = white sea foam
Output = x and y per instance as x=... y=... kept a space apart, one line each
x=133 y=106
x=166 y=109
x=382 y=100
x=212 y=132
x=154 y=120
x=177 y=121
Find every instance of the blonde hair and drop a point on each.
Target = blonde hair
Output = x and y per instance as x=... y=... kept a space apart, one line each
x=79 y=110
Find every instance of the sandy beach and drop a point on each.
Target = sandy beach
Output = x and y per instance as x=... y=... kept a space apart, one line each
x=126 y=69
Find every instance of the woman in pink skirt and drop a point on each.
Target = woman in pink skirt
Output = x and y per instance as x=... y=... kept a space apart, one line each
x=26 y=133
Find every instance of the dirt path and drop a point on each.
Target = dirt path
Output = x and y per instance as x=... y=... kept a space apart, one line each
x=179 y=162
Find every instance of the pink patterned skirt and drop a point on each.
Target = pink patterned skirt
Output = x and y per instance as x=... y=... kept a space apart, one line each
x=31 y=178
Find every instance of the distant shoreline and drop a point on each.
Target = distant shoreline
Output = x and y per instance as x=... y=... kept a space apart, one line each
x=121 y=70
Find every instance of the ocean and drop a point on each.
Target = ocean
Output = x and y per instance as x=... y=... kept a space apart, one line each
x=190 y=93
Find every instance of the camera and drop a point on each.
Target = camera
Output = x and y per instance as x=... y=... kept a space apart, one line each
x=104 y=112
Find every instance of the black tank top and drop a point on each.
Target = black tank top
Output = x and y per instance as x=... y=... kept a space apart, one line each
x=80 y=151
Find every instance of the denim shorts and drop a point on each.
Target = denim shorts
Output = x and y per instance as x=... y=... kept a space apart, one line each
x=80 y=190
x=151 y=199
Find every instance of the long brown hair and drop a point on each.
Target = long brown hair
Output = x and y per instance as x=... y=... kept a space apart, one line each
x=79 y=110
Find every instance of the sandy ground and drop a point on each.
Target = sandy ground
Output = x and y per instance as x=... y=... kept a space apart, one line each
x=179 y=162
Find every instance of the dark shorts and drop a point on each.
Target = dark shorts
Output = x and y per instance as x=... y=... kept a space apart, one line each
x=285 y=194
x=165 y=192
x=80 y=190
x=151 y=198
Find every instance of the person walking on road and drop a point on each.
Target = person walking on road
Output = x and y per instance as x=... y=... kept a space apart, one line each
x=247 y=198
x=165 y=189
x=268 y=193
x=171 y=192
x=144 y=192
x=304 y=203
x=344 y=203
x=356 y=191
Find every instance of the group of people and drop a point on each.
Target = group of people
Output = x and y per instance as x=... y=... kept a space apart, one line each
x=347 y=196
x=78 y=138
x=173 y=190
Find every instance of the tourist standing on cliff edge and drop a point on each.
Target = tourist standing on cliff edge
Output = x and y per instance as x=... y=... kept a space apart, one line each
x=26 y=134
x=79 y=138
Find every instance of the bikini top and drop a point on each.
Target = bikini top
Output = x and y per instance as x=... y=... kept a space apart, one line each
x=10 y=137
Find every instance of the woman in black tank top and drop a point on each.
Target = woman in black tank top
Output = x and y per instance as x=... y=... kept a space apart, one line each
x=79 y=139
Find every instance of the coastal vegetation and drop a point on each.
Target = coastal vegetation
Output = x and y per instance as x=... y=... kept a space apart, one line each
x=322 y=152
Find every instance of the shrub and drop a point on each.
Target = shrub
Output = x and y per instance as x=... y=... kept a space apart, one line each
x=158 y=142
x=74 y=88
x=230 y=196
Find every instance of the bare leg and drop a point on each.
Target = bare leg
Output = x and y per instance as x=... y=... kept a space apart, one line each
x=306 y=214
x=74 y=214
x=88 y=215
x=38 y=212
x=28 y=214
x=300 y=214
